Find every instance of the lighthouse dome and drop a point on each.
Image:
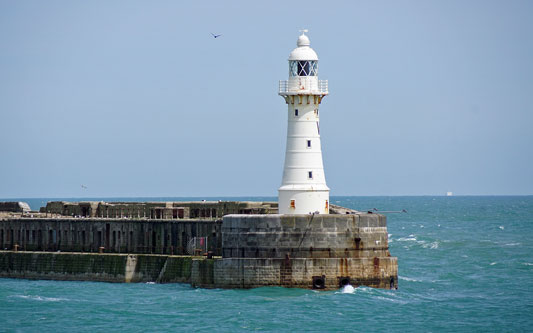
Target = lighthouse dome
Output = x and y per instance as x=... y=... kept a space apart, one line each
x=303 y=51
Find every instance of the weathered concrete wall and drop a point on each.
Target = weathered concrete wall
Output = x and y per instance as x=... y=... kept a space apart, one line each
x=377 y=272
x=306 y=251
x=14 y=206
x=305 y=236
x=309 y=251
x=115 y=235
x=158 y=210
x=107 y=267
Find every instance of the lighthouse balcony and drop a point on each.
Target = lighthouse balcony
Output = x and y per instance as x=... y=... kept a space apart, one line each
x=303 y=86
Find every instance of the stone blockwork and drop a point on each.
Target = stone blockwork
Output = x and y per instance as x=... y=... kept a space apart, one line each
x=307 y=251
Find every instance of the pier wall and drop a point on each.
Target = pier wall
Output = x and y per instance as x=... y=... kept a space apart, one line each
x=107 y=267
x=157 y=210
x=113 y=235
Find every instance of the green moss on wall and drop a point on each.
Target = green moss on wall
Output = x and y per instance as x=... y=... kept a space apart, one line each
x=206 y=273
x=178 y=269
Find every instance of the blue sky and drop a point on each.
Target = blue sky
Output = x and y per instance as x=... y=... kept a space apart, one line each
x=135 y=98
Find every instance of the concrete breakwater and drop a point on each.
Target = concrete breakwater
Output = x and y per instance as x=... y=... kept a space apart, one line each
x=252 y=249
x=107 y=267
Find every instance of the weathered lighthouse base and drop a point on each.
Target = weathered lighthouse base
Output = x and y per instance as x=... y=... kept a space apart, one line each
x=323 y=273
x=323 y=251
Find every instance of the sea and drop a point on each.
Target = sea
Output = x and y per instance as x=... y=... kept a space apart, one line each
x=465 y=265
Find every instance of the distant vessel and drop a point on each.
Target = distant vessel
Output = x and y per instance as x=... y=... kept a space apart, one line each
x=449 y=194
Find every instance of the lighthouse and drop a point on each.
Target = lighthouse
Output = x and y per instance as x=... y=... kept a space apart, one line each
x=303 y=189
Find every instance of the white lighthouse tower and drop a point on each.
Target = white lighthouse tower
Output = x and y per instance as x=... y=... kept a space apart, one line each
x=303 y=189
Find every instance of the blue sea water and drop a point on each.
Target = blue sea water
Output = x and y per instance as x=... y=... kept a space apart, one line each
x=465 y=264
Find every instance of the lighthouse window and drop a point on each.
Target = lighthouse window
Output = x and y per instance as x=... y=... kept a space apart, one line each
x=303 y=68
x=308 y=143
x=313 y=68
x=310 y=174
x=296 y=112
x=293 y=68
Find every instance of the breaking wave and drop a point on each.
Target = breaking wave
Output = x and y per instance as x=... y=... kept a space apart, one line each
x=40 y=298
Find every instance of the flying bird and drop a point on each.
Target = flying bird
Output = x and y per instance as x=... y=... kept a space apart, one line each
x=216 y=36
x=84 y=187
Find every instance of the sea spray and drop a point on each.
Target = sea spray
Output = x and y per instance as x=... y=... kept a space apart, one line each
x=348 y=289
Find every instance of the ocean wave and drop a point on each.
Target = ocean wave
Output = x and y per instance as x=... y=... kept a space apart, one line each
x=347 y=289
x=405 y=278
x=432 y=245
x=527 y=264
x=423 y=243
x=41 y=298
x=513 y=244
x=391 y=300
x=411 y=238
x=493 y=263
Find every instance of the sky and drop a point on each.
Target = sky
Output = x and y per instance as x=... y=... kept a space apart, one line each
x=137 y=99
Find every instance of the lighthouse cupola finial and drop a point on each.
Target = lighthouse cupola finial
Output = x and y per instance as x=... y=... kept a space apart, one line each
x=303 y=40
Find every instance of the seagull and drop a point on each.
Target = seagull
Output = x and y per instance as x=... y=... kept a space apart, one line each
x=83 y=187
x=216 y=36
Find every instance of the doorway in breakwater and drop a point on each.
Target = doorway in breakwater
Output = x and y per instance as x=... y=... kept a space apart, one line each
x=107 y=229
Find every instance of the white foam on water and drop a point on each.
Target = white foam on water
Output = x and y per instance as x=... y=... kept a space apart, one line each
x=151 y=282
x=405 y=278
x=512 y=244
x=528 y=264
x=493 y=263
x=501 y=227
x=432 y=245
x=411 y=238
x=40 y=298
x=347 y=289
